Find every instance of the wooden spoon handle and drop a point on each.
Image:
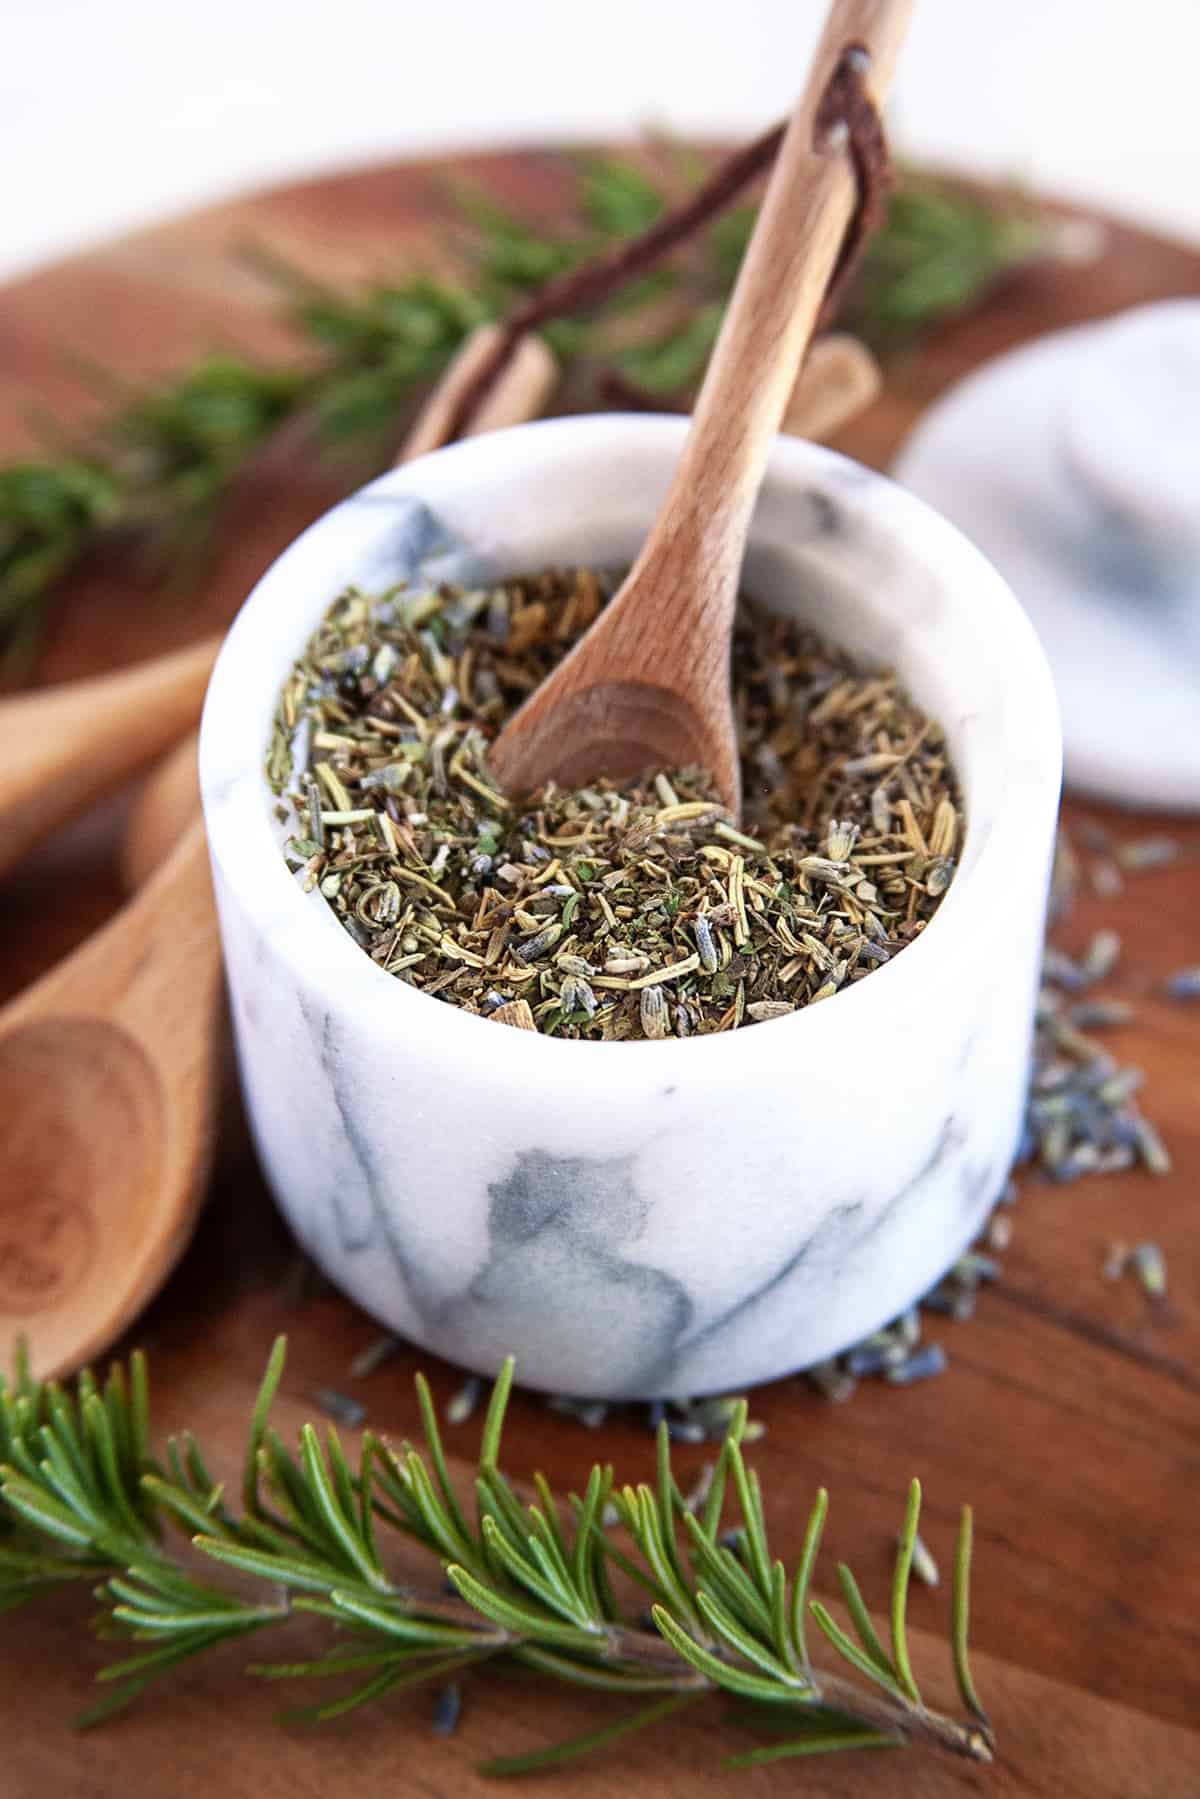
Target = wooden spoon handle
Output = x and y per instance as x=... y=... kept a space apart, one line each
x=840 y=378
x=63 y=747
x=519 y=394
x=780 y=288
x=146 y=966
x=173 y=922
x=168 y=803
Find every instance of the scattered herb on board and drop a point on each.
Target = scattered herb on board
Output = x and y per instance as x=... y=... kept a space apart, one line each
x=163 y=459
x=616 y=911
x=82 y=1498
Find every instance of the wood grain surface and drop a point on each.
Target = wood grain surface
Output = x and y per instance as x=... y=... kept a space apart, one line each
x=1070 y=1414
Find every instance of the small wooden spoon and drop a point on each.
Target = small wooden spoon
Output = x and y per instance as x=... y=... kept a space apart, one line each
x=108 y=1076
x=648 y=686
x=840 y=378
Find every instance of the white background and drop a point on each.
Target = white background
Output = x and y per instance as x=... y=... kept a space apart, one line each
x=114 y=112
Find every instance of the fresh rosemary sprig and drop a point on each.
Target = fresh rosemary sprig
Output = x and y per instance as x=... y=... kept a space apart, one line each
x=168 y=453
x=938 y=252
x=83 y=1499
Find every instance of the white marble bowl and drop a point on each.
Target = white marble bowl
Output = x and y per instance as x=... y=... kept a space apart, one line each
x=640 y=1219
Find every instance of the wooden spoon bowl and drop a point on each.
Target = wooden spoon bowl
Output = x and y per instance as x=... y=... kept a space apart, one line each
x=85 y=1137
x=108 y=1068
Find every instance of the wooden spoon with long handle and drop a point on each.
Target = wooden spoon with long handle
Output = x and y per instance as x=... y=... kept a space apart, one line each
x=108 y=1076
x=648 y=686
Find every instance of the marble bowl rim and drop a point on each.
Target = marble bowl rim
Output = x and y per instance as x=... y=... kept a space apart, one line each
x=347 y=980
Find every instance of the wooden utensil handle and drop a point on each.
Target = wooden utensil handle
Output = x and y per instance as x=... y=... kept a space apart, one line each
x=62 y=747
x=129 y=968
x=174 y=912
x=782 y=283
x=167 y=804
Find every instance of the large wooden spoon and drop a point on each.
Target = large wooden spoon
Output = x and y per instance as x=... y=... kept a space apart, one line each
x=107 y=1084
x=648 y=686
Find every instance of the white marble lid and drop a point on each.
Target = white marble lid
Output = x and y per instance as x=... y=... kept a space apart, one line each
x=1074 y=464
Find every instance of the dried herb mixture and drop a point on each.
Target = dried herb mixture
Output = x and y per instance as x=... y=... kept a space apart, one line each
x=620 y=910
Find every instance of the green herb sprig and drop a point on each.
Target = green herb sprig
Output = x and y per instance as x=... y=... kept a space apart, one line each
x=938 y=252
x=82 y=1498
x=167 y=455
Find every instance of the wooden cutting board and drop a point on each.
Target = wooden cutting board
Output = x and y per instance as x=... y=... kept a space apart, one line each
x=1070 y=1414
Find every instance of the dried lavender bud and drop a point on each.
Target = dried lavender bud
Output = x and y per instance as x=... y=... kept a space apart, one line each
x=1106 y=879
x=833 y=1382
x=374 y=1356
x=938 y=876
x=706 y=948
x=1147 y=852
x=1150 y=1266
x=1060 y=969
x=999 y=1231
x=923 y=1365
x=462 y=1404
x=923 y=1564
x=447 y=1708
x=1151 y=1147
x=340 y=1407
x=1115 y=1262
x=653 y=1012
x=577 y=996
x=1100 y=1014
x=591 y=1413
x=1101 y=956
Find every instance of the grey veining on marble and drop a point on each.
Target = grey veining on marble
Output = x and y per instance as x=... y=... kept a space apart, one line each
x=1074 y=463
x=646 y=1218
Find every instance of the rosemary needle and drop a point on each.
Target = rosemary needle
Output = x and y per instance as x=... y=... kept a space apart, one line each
x=166 y=454
x=81 y=1499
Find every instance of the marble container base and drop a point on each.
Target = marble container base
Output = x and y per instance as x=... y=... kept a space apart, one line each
x=641 y=1219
